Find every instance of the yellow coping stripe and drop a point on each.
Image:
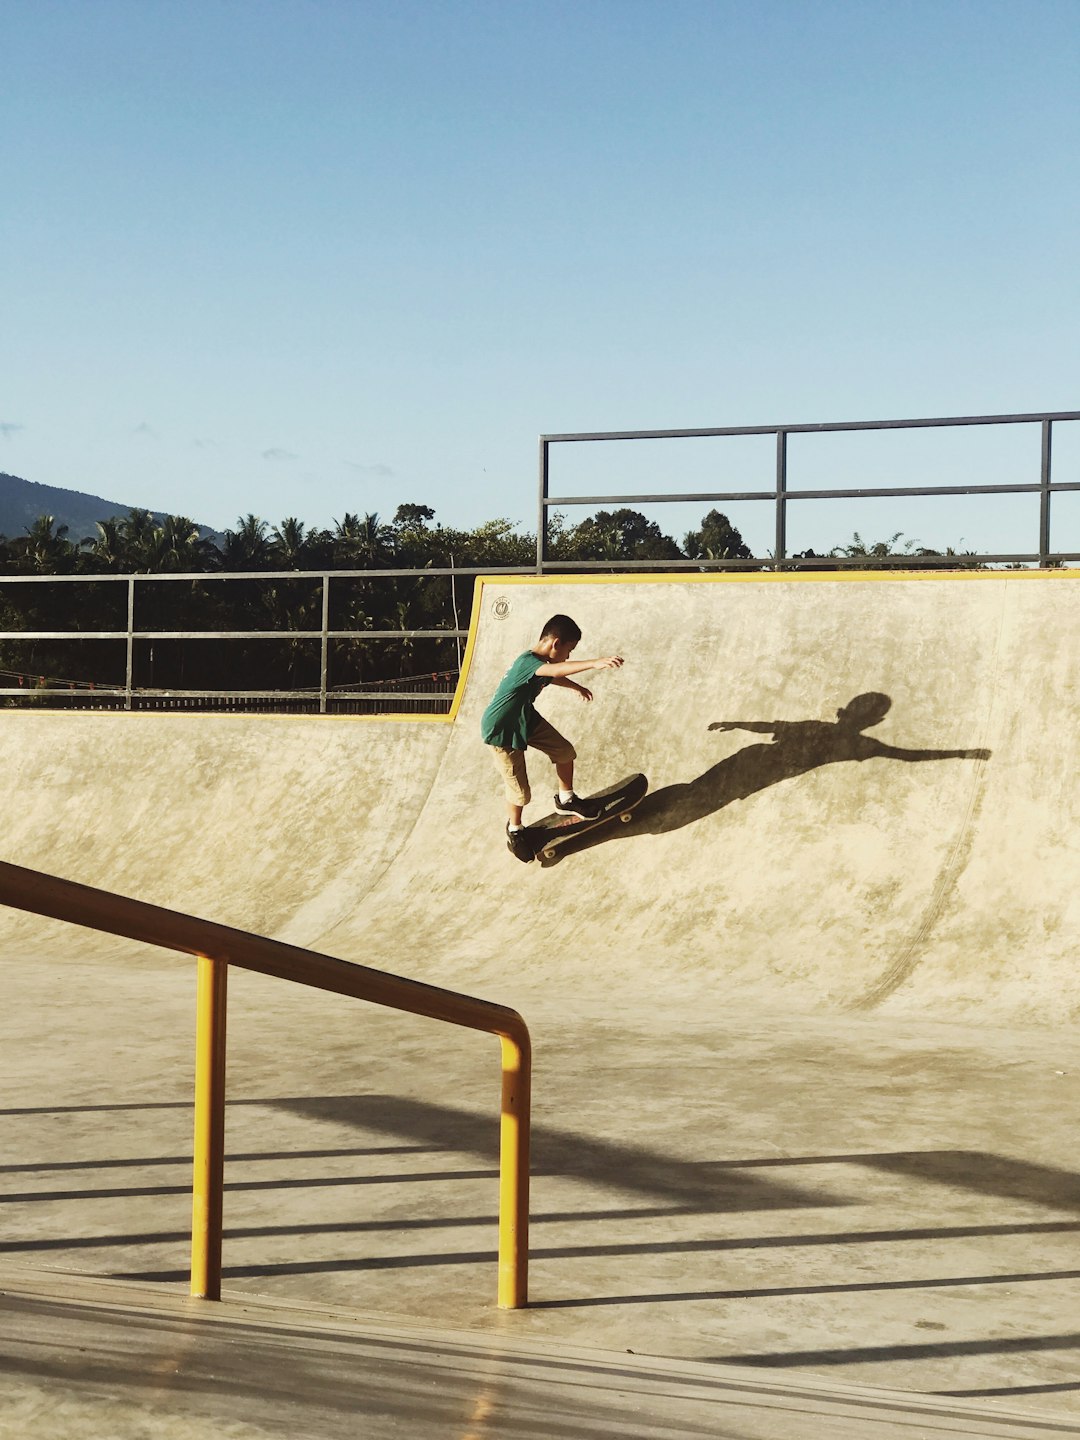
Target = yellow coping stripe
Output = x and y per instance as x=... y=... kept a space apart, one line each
x=678 y=577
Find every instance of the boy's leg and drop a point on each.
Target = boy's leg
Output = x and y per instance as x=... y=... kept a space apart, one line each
x=511 y=766
x=545 y=738
x=561 y=753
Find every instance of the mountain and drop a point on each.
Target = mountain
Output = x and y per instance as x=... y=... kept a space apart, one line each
x=22 y=501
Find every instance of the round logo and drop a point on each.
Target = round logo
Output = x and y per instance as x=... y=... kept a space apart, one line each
x=501 y=608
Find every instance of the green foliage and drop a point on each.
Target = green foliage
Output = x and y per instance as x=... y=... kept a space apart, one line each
x=615 y=535
x=142 y=544
x=893 y=555
x=717 y=539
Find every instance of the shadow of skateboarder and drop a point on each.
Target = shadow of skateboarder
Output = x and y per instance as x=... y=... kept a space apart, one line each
x=796 y=746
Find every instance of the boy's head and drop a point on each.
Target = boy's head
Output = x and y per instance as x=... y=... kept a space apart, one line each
x=561 y=627
x=560 y=634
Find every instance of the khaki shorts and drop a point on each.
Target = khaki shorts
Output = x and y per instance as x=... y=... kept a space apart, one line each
x=511 y=763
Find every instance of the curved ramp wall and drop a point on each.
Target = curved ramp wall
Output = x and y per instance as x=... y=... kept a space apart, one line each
x=276 y=824
x=916 y=854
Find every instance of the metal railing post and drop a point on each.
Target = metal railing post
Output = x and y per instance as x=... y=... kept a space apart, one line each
x=325 y=644
x=209 y=1177
x=1044 y=495
x=781 y=496
x=514 y=1172
x=130 y=668
x=541 y=519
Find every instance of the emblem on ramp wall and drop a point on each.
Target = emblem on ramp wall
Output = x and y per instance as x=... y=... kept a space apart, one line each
x=500 y=608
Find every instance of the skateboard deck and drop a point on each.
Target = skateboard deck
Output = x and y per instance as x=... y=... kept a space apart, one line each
x=549 y=835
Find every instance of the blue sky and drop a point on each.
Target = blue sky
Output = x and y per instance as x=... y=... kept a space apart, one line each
x=308 y=256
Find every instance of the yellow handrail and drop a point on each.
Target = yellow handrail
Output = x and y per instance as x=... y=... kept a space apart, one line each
x=218 y=946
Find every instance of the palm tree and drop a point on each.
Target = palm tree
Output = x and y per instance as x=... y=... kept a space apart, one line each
x=362 y=544
x=136 y=536
x=178 y=546
x=106 y=551
x=247 y=547
x=289 y=544
x=46 y=548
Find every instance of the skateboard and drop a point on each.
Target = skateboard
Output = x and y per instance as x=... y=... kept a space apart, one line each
x=550 y=834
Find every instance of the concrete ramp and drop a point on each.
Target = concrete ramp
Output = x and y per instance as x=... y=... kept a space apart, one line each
x=806 y=1057
x=783 y=854
x=862 y=797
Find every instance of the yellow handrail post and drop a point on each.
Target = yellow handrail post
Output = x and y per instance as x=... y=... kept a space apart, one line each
x=206 y=1194
x=514 y=1171
x=216 y=947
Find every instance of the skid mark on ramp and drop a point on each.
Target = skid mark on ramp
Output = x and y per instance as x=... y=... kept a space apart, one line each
x=907 y=962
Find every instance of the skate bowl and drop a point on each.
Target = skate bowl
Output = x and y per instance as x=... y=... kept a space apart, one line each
x=804 y=1028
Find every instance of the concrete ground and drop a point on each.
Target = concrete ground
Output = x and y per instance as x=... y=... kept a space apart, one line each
x=248 y=1370
x=806 y=1059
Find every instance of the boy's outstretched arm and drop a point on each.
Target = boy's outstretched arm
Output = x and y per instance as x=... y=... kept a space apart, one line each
x=563 y=668
x=565 y=683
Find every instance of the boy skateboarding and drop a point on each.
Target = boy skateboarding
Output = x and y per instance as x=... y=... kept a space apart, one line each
x=511 y=724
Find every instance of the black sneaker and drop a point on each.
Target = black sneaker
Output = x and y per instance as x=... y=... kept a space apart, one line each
x=517 y=842
x=587 y=809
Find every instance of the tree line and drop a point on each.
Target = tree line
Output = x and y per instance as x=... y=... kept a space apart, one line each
x=140 y=544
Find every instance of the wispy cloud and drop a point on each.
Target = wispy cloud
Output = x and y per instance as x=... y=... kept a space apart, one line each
x=147 y=431
x=9 y=429
x=276 y=453
x=377 y=472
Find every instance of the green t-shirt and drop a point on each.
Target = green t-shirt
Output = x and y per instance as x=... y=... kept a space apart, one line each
x=510 y=715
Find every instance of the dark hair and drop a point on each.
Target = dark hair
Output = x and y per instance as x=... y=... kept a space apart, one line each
x=562 y=628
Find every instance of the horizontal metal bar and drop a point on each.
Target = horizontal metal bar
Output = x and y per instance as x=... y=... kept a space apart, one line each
x=697 y=498
x=707 y=497
x=395 y=634
x=315 y=576
x=63 y=634
x=763 y=563
x=310 y=697
x=922 y=424
x=145 y=692
x=870 y=494
x=233 y=634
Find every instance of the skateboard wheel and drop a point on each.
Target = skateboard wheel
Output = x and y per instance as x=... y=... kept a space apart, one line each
x=626 y=817
x=549 y=852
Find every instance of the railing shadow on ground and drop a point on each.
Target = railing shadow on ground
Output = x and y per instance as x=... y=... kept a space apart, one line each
x=679 y=1189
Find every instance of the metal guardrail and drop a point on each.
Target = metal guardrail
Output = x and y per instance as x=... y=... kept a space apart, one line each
x=216 y=947
x=325 y=695
x=781 y=495
x=327 y=698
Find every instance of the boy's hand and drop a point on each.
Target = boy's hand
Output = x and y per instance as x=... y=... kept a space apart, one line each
x=585 y=693
x=610 y=662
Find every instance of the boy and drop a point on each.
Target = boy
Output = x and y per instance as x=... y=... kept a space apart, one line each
x=510 y=724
